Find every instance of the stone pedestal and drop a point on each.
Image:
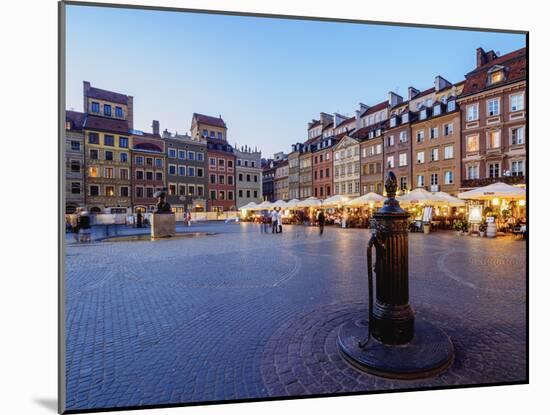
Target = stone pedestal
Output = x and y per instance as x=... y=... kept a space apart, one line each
x=163 y=225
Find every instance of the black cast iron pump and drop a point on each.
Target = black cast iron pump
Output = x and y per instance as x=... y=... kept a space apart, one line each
x=390 y=343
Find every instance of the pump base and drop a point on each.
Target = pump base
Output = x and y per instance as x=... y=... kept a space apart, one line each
x=429 y=353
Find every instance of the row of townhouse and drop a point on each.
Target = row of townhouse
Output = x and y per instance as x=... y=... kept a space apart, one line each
x=113 y=168
x=450 y=137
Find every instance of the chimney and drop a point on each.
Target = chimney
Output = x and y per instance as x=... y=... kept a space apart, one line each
x=480 y=57
x=325 y=118
x=413 y=92
x=130 y=117
x=394 y=99
x=156 y=127
x=86 y=88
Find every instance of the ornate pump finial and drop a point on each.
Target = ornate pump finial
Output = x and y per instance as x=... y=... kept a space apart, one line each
x=391 y=185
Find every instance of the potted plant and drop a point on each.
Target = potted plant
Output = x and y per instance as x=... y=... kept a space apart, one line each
x=465 y=227
x=457 y=226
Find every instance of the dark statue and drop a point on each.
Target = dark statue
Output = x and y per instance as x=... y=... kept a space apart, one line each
x=162 y=206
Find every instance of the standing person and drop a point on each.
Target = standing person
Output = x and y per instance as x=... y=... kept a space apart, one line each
x=280 y=221
x=273 y=221
x=84 y=228
x=188 y=218
x=139 y=219
x=75 y=225
x=265 y=222
x=321 y=219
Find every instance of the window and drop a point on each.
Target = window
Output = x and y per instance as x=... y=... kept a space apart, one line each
x=378 y=148
x=405 y=118
x=118 y=112
x=124 y=174
x=449 y=177
x=230 y=195
x=191 y=171
x=109 y=191
x=212 y=179
x=248 y=177
x=434 y=179
x=420 y=136
x=240 y=177
x=191 y=190
x=420 y=181
x=139 y=174
x=149 y=191
x=220 y=137
x=403 y=137
x=448 y=152
x=403 y=183
x=200 y=172
x=95 y=107
x=75 y=166
x=212 y=134
x=230 y=164
x=516 y=102
x=221 y=195
x=496 y=77
x=472 y=143
x=109 y=155
x=205 y=133
x=472 y=112
x=75 y=188
x=149 y=161
x=448 y=129
x=437 y=110
x=240 y=193
x=402 y=159
x=172 y=153
x=93 y=138
x=494 y=139
x=248 y=193
x=139 y=160
x=517 y=168
x=434 y=154
x=109 y=140
x=200 y=191
x=494 y=170
x=221 y=179
x=434 y=133
x=149 y=175
x=451 y=106
x=124 y=191
x=221 y=162
x=158 y=176
x=473 y=172
x=75 y=146
x=139 y=192
x=516 y=136
x=255 y=178
x=230 y=180
x=390 y=162
x=423 y=114
x=159 y=163
x=390 y=140
x=191 y=155
x=171 y=189
x=420 y=157
x=493 y=106
x=93 y=171
x=200 y=156
x=94 y=190
x=212 y=195
x=181 y=171
x=124 y=157
x=181 y=190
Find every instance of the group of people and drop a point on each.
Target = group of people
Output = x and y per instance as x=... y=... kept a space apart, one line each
x=82 y=228
x=273 y=218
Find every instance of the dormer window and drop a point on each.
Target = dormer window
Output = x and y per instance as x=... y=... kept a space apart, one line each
x=496 y=74
x=437 y=109
x=423 y=114
x=95 y=107
x=451 y=105
x=393 y=121
x=378 y=132
x=405 y=118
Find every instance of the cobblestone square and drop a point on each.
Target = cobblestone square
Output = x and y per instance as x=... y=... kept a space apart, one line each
x=237 y=314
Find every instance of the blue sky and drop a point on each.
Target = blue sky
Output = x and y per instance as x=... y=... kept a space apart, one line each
x=266 y=77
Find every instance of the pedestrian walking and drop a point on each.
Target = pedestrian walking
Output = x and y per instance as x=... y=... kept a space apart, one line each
x=84 y=228
x=274 y=221
x=139 y=219
x=280 y=221
x=321 y=220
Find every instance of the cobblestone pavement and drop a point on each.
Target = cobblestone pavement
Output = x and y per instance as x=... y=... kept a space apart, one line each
x=241 y=314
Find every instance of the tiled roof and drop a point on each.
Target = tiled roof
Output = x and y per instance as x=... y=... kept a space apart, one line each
x=329 y=125
x=363 y=133
x=208 y=120
x=425 y=92
x=107 y=95
x=515 y=64
x=377 y=107
x=105 y=124
x=76 y=119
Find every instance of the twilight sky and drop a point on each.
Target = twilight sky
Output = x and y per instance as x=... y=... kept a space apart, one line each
x=266 y=77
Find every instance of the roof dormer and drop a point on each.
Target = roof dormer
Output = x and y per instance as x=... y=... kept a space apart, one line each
x=495 y=75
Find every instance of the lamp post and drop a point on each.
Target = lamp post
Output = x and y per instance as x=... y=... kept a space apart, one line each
x=391 y=343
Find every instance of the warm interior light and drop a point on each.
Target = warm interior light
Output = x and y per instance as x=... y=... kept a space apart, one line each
x=495 y=202
x=522 y=202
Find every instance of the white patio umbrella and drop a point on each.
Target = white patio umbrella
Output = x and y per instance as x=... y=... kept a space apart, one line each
x=264 y=205
x=335 y=200
x=452 y=201
x=422 y=196
x=291 y=204
x=309 y=202
x=366 y=200
x=249 y=206
x=279 y=204
x=496 y=190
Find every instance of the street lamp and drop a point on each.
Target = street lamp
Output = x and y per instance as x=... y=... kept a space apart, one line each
x=391 y=343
